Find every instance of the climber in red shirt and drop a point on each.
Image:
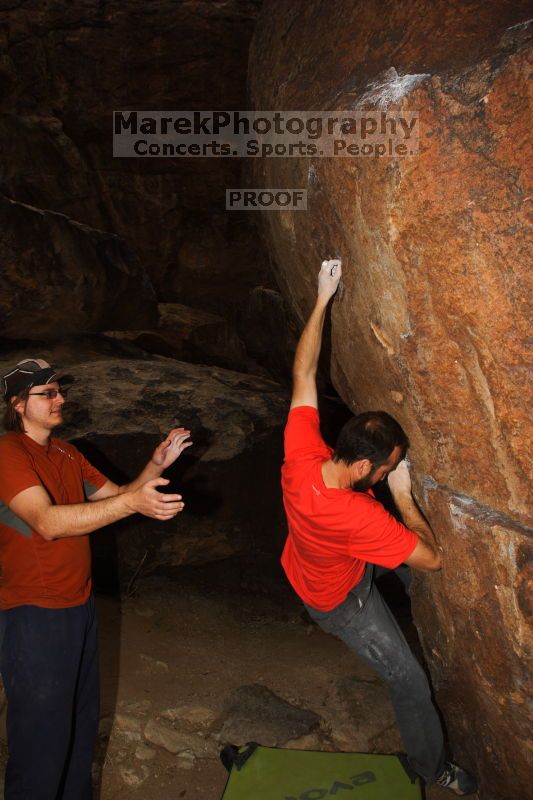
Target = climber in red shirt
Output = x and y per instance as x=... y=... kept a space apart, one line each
x=338 y=532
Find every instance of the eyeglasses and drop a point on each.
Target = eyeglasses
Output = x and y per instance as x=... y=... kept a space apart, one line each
x=50 y=394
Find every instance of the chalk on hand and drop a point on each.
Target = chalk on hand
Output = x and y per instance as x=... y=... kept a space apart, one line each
x=335 y=264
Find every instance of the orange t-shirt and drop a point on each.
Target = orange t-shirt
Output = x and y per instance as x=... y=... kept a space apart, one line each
x=333 y=533
x=33 y=571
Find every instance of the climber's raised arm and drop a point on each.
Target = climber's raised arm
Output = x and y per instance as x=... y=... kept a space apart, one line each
x=304 y=370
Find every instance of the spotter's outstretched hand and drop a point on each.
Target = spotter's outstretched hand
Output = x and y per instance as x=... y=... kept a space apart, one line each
x=148 y=500
x=168 y=451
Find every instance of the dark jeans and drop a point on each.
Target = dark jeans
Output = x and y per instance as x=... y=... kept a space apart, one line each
x=364 y=623
x=50 y=674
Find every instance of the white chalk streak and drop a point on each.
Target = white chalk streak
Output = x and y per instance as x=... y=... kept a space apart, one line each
x=389 y=88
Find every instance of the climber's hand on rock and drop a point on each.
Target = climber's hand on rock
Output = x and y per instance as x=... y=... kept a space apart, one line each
x=329 y=277
x=400 y=479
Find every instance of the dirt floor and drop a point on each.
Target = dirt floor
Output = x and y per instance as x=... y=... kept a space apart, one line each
x=173 y=653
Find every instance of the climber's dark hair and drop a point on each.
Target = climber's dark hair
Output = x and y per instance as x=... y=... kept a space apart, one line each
x=372 y=435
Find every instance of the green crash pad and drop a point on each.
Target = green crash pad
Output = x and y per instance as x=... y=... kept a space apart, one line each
x=273 y=774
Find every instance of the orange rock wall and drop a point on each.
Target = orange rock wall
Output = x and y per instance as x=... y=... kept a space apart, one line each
x=431 y=324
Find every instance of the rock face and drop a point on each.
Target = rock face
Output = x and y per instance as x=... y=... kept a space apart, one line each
x=229 y=479
x=190 y=334
x=475 y=619
x=269 y=331
x=60 y=277
x=431 y=323
x=66 y=67
x=256 y=714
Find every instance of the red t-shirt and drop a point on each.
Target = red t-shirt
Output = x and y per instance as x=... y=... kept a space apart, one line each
x=33 y=571
x=333 y=533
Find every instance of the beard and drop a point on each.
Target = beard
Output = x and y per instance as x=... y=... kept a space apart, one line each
x=363 y=484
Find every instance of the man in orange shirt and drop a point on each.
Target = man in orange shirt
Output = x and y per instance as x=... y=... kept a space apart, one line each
x=49 y=656
x=338 y=531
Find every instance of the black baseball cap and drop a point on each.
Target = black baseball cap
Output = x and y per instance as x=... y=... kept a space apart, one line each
x=31 y=372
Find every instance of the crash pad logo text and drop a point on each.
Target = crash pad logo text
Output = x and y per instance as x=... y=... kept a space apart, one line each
x=336 y=788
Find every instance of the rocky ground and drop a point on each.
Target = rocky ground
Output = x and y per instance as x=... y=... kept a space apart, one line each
x=224 y=654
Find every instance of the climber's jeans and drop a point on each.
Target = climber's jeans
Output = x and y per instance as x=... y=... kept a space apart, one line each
x=364 y=623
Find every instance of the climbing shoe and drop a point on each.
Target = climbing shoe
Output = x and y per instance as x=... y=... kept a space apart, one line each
x=457 y=780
